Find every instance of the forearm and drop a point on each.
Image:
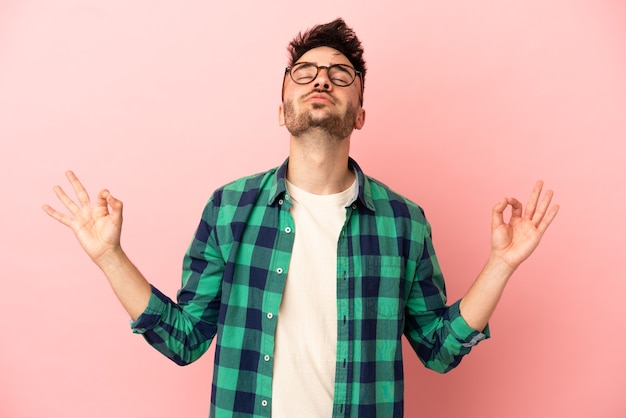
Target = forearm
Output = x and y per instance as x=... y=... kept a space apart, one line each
x=481 y=300
x=127 y=282
x=511 y=244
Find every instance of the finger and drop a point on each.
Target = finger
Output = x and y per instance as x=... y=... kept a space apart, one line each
x=106 y=200
x=516 y=207
x=65 y=220
x=116 y=207
x=101 y=200
x=79 y=189
x=542 y=208
x=547 y=220
x=531 y=206
x=497 y=214
x=67 y=202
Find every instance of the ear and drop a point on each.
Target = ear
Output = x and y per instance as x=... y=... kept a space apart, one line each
x=360 y=119
x=281 y=115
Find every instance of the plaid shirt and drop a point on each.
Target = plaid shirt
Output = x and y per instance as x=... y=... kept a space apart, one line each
x=388 y=284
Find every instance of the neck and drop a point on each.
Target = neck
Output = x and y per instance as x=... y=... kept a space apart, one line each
x=319 y=165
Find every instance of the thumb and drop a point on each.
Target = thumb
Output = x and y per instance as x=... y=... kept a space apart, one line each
x=116 y=206
x=497 y=216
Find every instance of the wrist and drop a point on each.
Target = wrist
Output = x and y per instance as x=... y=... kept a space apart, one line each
x=500 y=265
x=111 y=259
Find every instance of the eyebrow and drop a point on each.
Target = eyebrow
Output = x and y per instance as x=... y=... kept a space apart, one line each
x=329 y=65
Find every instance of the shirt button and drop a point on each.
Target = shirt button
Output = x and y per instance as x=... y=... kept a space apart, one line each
x=279 y=270
x=264 y=402
x=286 y=196
x=280 y=202
x=353 y=206
x=266 y=358
x=270 y=315
x=288 y=230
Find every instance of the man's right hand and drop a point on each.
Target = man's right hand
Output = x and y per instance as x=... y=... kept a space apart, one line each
x=97 y=226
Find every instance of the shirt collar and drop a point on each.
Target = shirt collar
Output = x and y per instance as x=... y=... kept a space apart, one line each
x=364 y=192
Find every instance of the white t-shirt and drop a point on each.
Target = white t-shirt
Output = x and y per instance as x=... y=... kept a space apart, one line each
x=306 y=331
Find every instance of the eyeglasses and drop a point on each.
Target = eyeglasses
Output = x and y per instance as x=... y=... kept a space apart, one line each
x=339 y=74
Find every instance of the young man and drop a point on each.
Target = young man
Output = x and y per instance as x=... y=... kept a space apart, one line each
x=309 y=274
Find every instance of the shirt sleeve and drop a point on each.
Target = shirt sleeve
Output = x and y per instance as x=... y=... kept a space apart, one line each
x=183 y=330
x=437 y=332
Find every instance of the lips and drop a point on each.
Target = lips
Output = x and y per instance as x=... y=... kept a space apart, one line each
x=316 y=96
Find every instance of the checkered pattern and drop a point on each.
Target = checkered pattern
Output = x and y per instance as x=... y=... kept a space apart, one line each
x=388 y=284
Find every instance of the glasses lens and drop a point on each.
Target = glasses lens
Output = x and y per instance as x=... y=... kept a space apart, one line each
x=303 y=73
x=341 y=75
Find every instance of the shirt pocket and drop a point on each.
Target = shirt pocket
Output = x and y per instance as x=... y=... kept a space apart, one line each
x=381 y=287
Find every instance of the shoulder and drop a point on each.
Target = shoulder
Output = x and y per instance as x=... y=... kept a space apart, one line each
x=386 y=199
x=243 y=189
x=232 y=203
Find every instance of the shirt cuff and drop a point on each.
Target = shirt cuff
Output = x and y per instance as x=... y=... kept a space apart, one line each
x=466 y=335
x=151 y=316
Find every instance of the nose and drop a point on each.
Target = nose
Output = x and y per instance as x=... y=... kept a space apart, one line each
x=322 y=81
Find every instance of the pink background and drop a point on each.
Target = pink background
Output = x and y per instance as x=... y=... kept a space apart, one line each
x=162 y=102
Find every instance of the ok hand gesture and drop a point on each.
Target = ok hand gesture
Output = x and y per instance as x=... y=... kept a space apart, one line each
x=514 y=242
x=97 y=226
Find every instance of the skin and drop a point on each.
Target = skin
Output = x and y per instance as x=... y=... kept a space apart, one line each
x=320 y=118
x=98 y=227
x=318 y=159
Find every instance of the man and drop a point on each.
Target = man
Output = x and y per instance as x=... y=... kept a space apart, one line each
x=310 y=273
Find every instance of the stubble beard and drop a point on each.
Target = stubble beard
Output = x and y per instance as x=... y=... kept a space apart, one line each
x=336 y=127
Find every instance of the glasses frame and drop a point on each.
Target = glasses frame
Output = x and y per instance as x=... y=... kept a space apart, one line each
x=357 y=73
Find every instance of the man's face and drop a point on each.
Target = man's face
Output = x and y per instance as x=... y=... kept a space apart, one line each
x=320 y=104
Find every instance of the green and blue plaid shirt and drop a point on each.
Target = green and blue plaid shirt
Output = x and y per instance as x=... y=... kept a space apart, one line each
x=388 y=283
